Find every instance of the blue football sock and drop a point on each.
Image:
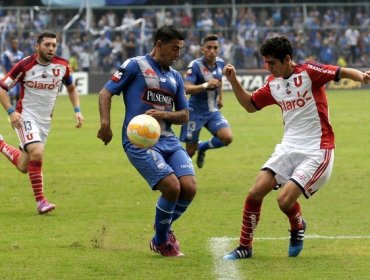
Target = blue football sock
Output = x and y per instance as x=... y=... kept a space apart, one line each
x=214 y=143
x=203 y=146
x=163 y=218
x=180 y=208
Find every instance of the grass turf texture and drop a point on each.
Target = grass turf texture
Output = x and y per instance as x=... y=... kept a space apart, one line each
x=104 y=217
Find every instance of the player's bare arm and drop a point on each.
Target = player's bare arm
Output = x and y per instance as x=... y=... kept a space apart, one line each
x=15 y=117
x=243 y=96
x=356 y=75
x=105 y=132
x=193 y=89
x=175 y=117
x=75 y=100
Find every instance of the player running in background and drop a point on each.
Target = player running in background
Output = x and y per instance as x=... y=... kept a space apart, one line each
x=149 y=85
x=40 y=77
x=302 y=163
x=9 y=58
x=204 y=85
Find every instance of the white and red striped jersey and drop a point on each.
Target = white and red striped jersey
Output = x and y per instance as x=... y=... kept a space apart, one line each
x=303 y=101
x=40 y=85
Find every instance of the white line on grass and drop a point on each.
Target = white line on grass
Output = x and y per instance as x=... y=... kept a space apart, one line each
x=228 y=270
x=223 y=271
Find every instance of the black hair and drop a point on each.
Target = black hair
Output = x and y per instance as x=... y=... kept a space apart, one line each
x=167 y=33
x=210 y=37
x=45 y=34
x=277 y=47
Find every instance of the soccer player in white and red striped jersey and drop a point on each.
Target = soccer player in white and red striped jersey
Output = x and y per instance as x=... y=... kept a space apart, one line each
x=40 y=76
x=303 y=161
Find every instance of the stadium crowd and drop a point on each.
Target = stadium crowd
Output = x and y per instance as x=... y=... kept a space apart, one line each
x=333 y=35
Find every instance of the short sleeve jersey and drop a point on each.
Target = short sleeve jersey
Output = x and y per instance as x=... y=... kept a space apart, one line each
x=303 y=102
x=199 y=72
x=146 y=85
x=40 y=85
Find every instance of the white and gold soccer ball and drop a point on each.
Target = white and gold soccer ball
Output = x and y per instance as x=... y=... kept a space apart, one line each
x=143 y=131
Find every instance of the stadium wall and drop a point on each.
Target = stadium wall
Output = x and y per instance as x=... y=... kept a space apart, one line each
x=250 y=79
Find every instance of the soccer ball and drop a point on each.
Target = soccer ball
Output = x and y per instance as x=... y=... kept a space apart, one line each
x=143 y=131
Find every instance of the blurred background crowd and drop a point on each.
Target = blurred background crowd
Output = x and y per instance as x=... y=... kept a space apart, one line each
x=332 y=34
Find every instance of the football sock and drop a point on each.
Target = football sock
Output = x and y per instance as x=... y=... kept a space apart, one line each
x=251 y=216
x=10 y=152
x=214 y=143
x=180 y=208
x=36 y=178
x=295 y=217
x=163 y=215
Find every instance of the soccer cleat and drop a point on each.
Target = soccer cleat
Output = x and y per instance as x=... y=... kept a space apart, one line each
x=239 y=253
x=200 y=159
x=166 y=249
x=44 y=206
x=174 y=241
x=1 y=141
x=296 y=241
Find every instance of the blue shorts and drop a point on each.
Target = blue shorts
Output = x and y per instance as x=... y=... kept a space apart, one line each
x=165 y=158
x=213 y=121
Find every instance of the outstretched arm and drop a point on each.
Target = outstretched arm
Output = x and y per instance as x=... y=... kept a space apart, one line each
x=194 y=89
x=354 y=74
x=75 y=100
x=244 y=97
x=175 y=117
x=105 y=132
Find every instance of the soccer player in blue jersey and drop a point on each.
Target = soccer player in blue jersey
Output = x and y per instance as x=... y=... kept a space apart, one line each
x=204 y=85
x=149 y=85
x=9 y=58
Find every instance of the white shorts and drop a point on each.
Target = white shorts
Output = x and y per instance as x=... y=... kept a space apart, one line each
x=309 y=169
x=32 y=132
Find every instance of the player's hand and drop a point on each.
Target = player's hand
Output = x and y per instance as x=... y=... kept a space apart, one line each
x=220 y=104
x=213 y=83
x=15 y=119
x=230 y=72
x=79 y=119
x=105 y=134
x=157 y=114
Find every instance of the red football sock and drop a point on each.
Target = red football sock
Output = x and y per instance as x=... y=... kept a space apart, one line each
x=35 y=175
x=10 y=152
x=295 y=217
x=251 y=216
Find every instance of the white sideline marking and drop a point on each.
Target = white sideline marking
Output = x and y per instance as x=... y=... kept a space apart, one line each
x=220 y=246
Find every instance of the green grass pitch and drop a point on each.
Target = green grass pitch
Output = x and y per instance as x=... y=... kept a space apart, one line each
x=104 y=217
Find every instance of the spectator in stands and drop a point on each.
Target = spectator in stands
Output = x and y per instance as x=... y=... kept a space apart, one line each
x=9 y=58
x=73 y=61
x=103 y=46
x=128 y=17
x=205 y=23
x=129 y=45
x=352 y=36
x=85 y=59
x=327 y=53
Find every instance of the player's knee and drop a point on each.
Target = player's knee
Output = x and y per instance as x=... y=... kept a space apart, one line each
x=285 y=204
x=171 y=191
x=23 y=169
x=189 y=189
x=256 y=195
x=227 y=140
